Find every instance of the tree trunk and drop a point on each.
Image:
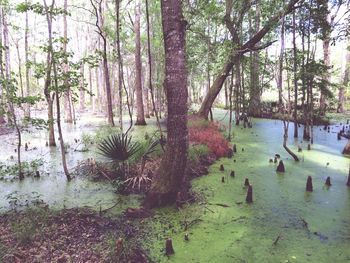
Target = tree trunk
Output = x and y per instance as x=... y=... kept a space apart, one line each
x=327 y=62
x=67 y=101
x=27 y=67
x=140 y=120
x=295 y=113
x=171 y=174
x=255 y=89
x=236 y=54
x=81 y=90
x=346 y=79
x=347 y=148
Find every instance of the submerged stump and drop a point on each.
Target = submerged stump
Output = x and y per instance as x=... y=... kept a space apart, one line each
x=309 y=187
x=328 y=181
x=169 y=250
x=280 y=167
x=249 y=198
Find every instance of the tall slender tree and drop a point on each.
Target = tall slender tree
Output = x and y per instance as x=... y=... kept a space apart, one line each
x=140 y=120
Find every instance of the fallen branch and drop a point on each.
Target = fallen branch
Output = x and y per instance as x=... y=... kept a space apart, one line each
x=277 y=239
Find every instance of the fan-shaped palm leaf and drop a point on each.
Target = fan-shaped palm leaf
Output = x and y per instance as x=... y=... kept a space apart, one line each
x=118 y=147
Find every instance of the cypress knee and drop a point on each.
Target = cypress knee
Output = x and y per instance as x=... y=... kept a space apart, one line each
x=309 y=147
x=246 y=182
x=169 y=250
x=309 y=187
x=280 y=167
x=328 y=181
x=234 y=148
x=232 y=174
x=223 y=179
x=249 y=198
x=222 y=167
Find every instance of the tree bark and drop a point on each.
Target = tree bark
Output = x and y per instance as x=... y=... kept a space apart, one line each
x=295 y=112
x=47 y=83
x=171 y=174
x=67 y=101
x=100 y=24
x=140 y=119
x=236 y=54
x=255 y=89
x=27 y=67
x=346 y=79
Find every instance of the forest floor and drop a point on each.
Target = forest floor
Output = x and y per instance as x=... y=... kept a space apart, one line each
x=68 y=235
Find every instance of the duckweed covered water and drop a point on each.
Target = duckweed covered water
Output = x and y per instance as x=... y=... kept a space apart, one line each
x=52 y=187
x=281 y=208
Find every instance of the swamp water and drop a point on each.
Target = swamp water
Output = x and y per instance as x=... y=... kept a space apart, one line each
x=246 y=232
x=52 y=186
x=238 y=233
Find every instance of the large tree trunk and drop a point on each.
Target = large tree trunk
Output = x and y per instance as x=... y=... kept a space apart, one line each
x=235 y=54
x=140 y=120
x=171 y=174
x=346 y=79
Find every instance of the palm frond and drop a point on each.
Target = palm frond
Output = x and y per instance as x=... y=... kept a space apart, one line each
x=118 y=147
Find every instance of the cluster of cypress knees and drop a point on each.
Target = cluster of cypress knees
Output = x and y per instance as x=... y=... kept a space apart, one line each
x=169 y=250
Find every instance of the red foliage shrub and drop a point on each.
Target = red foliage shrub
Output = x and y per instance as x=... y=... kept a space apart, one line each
x=208 y=133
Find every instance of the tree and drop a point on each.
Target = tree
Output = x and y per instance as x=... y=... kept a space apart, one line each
x=346 y=79
x=97 y=6
x=171 y=173
x=237 y=52
x=140 y=120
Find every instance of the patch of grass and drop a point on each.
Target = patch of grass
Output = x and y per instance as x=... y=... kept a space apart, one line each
x=103 y=132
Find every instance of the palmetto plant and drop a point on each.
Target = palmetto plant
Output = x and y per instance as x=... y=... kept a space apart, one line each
x=118 y=147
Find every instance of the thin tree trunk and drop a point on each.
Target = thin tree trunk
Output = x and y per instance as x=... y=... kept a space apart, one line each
x=255 y=89
x=27 y=67
x=100 y=24
x=236 y=54
x=67 y=94
x=140 y=120
x=346 y=79
x=82 y=89
x=171 y=174
x=295 y=112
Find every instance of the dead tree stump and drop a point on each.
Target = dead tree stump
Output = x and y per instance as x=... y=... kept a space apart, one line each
x=249 y=198
x=328 y=181
x=280 y=167
x=169 y=250
x=309 y=187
